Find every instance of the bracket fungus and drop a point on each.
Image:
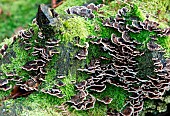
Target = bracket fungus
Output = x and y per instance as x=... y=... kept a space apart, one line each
x=122 y=70
x=119 y=67
x=3 y=85
x=3 y=49
x=44 y=49
x=54 y=92
x=81 y=11
x=84 y=11
x=82 y=54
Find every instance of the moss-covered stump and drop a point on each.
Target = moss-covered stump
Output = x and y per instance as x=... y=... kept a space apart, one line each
x=91 y=60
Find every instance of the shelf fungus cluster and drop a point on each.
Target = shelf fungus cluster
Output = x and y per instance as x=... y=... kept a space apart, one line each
x=55 y=91
x=84 y=11
x=82 y=100
x=119 y=69
x=122 y=70
x=3 y=85
x=42 y=48
x=82 y=54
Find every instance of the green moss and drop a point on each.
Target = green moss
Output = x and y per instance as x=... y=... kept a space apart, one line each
x=17 y=13
x=81 y=76
x=45 y=100
x=74 y=27
x=166 y=99
x=3 y=94
x=118 y=94
x=83 y=28
x=90 y=24
x=6 y=41
x=34 y=105
x=149 y=104
x=96 y=52
x=135 y=12
x=111 y=9
x=68 y=89
x=143 y=37
x=119 y=98
x=98 y=110
x=17 y=57
x=61 y=9
x=50 y=79
x=17 y=62
x=162 y=107
x=165 y=43
x=105 y=32
x=156 y=8
x=77 y=27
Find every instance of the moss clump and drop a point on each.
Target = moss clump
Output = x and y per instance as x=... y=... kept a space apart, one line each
x=68 y=89
x=74 y=27
x=112 y=8
x=95 y=52
x=81 y=76
x=33 y=105
x=165 y=43
x=156 y=8
x=66 y=64
x=135 y=12
x=104 y=32
x=98 y=110
x=19 y=57
x=50 y=79
x=149 y=104
x=6 y=41
x=118 y=94
x=18 y=61
x=166 y=99
x=143 y=36
x=3 y=94
x=162 y=107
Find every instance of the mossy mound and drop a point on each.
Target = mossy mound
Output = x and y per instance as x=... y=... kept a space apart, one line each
x=71 y=28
